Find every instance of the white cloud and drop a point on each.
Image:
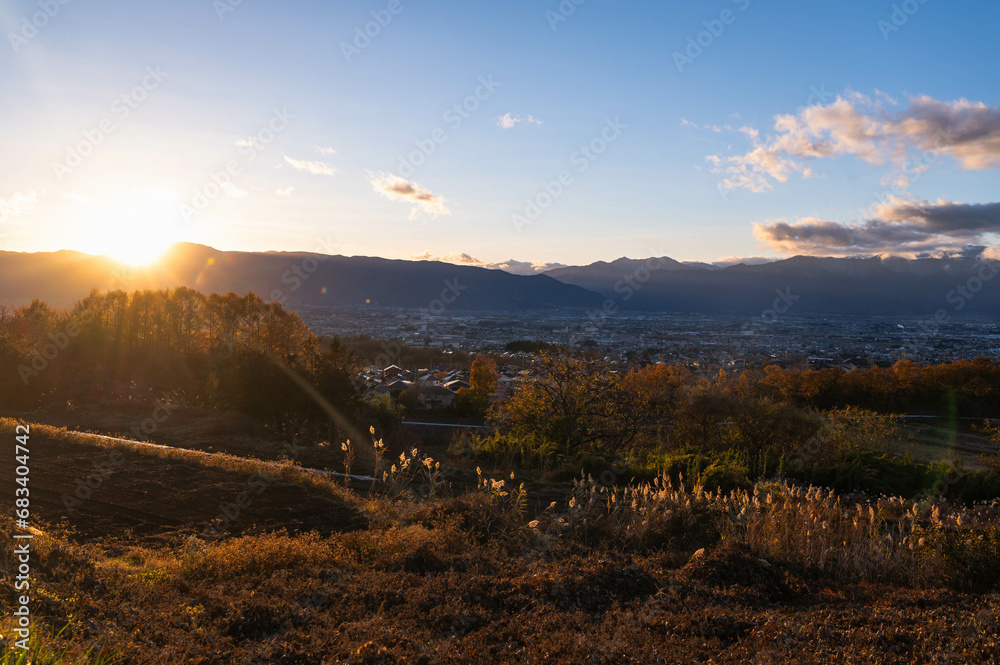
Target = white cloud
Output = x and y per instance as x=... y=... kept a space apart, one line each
x=243 y=143
x=284 y=191
x=325 y=151
x=75 y=198
x=315 y=168
x=857 y=126
x=395 y=188
x=510 y=265
x=508 y=120
x=525 y=267
x=17 y=205
x=747 y=260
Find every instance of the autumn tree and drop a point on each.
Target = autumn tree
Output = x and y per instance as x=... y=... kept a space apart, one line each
x=484 y=375
x=578 y=402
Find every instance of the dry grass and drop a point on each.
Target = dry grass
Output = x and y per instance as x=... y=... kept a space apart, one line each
x=653 y=572
x=881 y=539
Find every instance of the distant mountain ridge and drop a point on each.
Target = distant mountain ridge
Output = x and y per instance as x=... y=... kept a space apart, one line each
x=807 y=285
x=814 y=285
x=295 y=278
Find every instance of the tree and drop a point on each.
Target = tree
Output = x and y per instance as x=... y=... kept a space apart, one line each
x=484 y=375
x=577 y=402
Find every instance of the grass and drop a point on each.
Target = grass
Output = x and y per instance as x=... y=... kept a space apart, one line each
x=442 y=569
x=682 y=568
x=51 y=649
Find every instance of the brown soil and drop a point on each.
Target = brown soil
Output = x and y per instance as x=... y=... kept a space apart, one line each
x=132 y=491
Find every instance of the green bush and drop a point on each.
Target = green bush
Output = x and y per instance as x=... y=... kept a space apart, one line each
x=511 y=451
x=726 y=471
x=972 y=555
x=874 y=473
x=725 y=475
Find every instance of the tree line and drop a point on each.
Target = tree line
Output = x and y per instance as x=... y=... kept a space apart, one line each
x=219 y=351
x=575 y=408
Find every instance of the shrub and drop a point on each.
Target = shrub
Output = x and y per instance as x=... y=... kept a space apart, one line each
x=510 y=451
x=53 y=648
x=255 y=555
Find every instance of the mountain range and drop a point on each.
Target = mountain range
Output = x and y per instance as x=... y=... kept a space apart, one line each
x=806 y=285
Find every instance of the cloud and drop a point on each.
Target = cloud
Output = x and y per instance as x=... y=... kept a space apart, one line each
x=508 y=120
x=75 y=198
x=901 y=227
x=396 y=188
x=284 y=191
x=243 y=143
x=461 y=258
x=17 y=205
x=747 y=260
x=525 y=267
x=718 y=129
x=968 y=132
x=857 y=126
x=510 y=265
x=233 y=191
x=315 y=168
x=325 y=151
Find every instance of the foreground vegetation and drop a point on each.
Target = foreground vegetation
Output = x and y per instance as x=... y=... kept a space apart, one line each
x=610 y=513
x=650 y=572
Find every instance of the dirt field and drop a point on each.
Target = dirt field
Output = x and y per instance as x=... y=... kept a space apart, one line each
x=108 y=492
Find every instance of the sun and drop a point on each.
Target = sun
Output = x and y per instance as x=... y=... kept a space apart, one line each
x=136 y=233
x=137 y=247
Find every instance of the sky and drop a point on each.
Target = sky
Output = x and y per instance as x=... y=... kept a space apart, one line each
x=521 y=134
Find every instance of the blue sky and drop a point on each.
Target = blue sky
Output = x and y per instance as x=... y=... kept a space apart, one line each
x=332 y=176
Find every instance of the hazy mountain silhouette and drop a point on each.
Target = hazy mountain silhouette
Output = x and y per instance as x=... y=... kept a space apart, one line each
x=870 y=286
x=61 y=278
x=890 y=286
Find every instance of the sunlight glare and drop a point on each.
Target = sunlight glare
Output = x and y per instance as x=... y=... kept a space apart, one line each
x=136 y=232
